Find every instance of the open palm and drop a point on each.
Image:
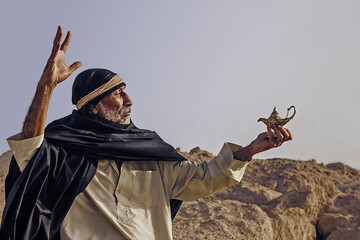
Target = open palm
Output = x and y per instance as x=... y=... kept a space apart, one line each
x=56 y=70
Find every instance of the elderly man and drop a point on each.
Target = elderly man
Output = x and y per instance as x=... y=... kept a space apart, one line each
x=94 y=175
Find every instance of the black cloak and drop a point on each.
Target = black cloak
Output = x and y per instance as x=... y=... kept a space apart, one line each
x=38 y=199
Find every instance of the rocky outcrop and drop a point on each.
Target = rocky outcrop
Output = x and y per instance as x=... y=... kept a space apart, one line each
x=277 y=199
x=4 y=166
x=222 y=219
x=300 y=200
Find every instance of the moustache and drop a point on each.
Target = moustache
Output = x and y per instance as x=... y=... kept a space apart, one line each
x=125 y=111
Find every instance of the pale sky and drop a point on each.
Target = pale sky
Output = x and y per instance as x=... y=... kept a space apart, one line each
x=200 y=72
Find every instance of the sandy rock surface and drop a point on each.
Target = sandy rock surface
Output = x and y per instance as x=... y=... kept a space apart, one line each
x=277 y=199
x=300 y=200
x=4 y=167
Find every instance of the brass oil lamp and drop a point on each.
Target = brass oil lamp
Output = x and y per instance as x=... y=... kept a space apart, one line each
x=275 y=118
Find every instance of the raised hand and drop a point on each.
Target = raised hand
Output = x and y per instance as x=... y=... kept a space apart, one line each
x=275 y=136
x=56 y=70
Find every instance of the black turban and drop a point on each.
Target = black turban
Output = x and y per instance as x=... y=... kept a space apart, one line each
x=91 y=85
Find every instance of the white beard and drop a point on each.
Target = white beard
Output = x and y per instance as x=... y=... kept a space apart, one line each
x=114 y=116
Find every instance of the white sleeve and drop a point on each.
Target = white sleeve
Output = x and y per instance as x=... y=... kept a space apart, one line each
x=24 y=149
x=190 y=181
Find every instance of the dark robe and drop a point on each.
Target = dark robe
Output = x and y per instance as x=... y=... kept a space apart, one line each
x=38 y=199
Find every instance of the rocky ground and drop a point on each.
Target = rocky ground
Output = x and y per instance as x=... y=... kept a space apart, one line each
x=277 y=199
x=4 y=165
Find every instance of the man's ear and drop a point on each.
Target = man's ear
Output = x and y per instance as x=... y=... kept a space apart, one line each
x=95 y=111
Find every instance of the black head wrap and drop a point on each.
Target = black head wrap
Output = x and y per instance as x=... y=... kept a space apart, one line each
x=89 y=80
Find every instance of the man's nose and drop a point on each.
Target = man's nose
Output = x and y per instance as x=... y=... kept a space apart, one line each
x=127 y=100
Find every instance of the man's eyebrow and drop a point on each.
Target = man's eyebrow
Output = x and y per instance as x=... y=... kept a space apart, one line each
x=119 y=90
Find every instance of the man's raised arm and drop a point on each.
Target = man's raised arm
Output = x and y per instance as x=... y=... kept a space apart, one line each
x=55 y=72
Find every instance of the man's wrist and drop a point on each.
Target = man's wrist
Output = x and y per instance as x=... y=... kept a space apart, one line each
x=44 y=86
x=245 y=154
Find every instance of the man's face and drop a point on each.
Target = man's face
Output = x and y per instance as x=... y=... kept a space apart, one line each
x=114 y=107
